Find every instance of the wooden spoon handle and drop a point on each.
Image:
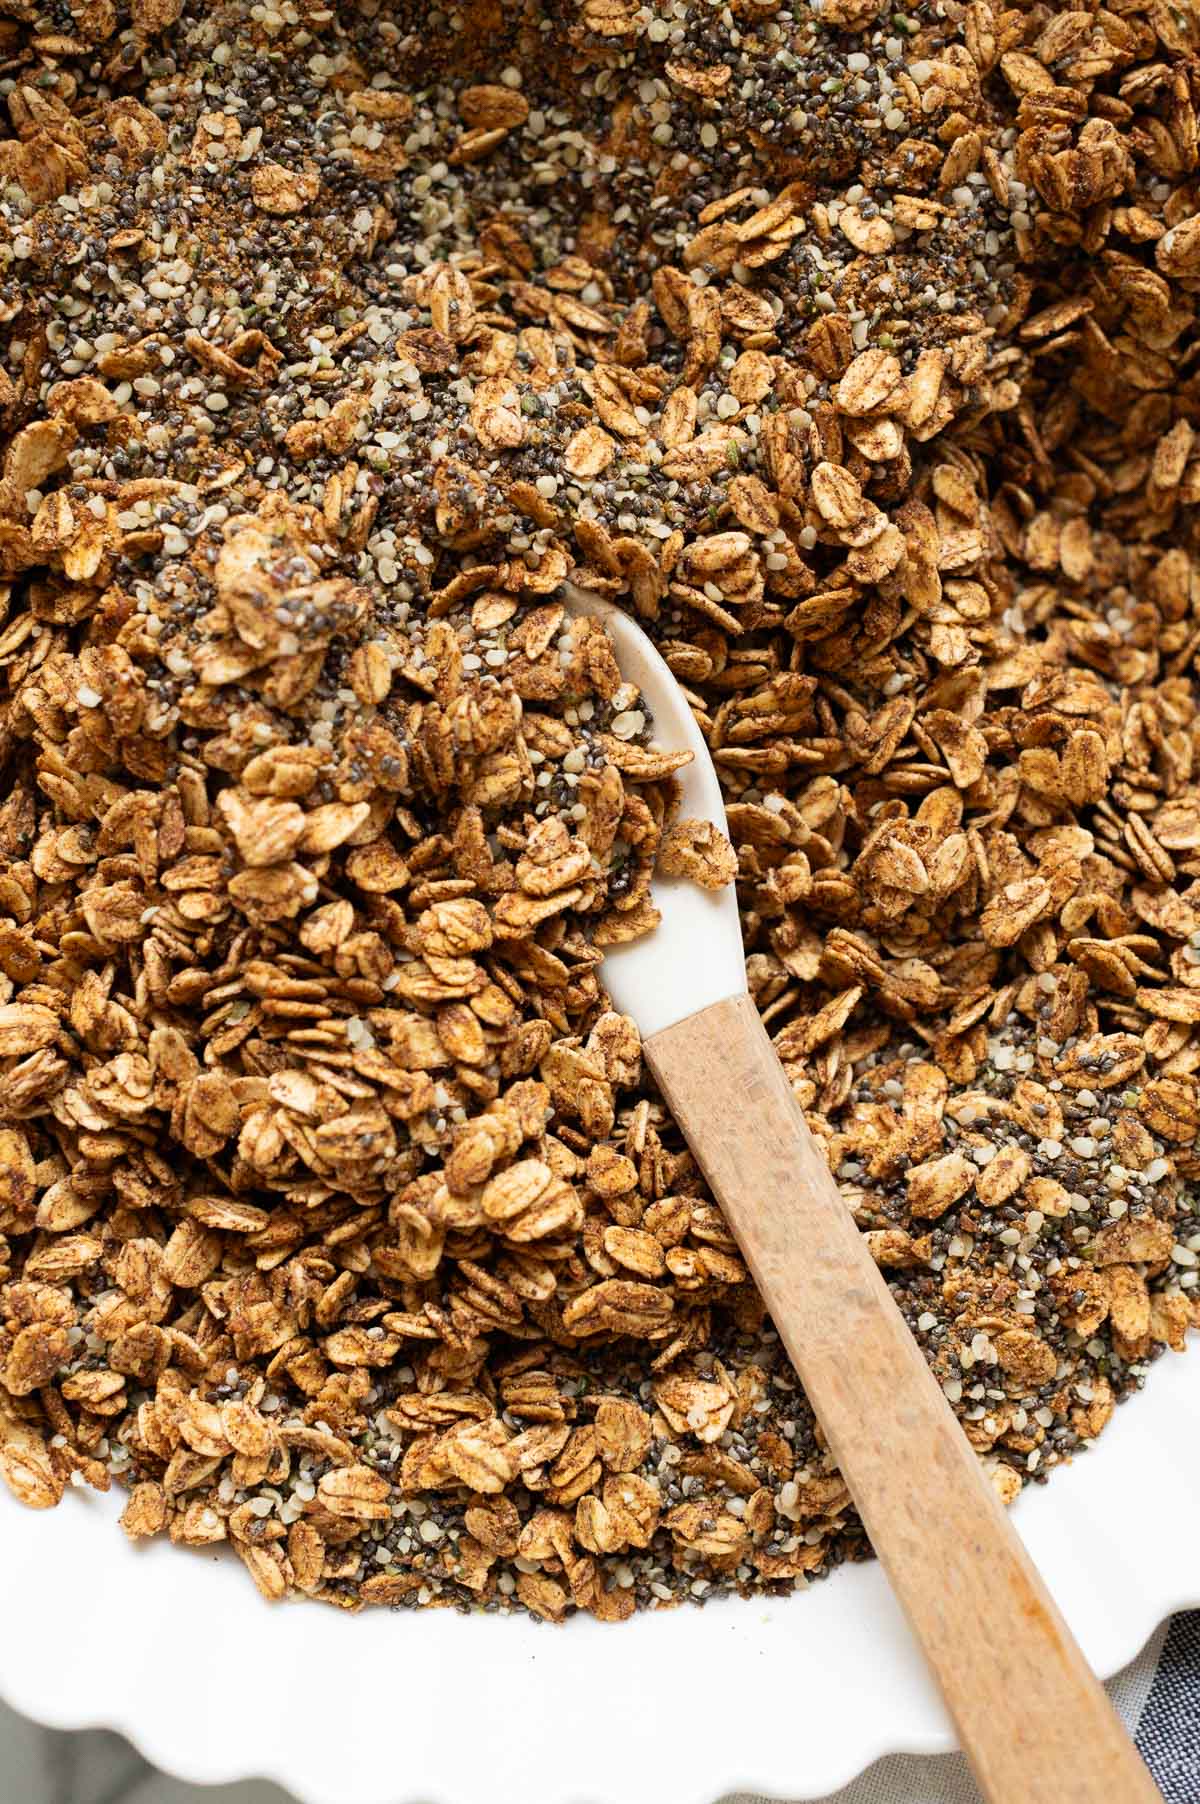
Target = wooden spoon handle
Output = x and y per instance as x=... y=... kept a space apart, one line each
x=1033 y=1720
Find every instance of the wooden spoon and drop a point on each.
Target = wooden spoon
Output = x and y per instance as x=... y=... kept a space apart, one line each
x=1035 y=1723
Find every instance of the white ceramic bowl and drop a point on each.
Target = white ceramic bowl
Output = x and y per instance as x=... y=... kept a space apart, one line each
x=787 y=1697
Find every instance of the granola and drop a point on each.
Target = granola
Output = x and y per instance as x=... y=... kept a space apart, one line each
x=853 y=352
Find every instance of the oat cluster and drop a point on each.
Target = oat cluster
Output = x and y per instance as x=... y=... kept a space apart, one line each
x=854 y=352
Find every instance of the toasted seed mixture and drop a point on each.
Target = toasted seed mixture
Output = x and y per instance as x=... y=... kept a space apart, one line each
x=853 y=351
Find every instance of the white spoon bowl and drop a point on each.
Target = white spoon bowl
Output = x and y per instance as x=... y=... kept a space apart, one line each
x=659 y=978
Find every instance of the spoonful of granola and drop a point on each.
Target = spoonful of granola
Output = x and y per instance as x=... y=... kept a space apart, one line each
x=1035 y=1723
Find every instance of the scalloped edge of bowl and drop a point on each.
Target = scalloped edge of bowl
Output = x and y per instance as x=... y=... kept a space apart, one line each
x=437 y=1706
